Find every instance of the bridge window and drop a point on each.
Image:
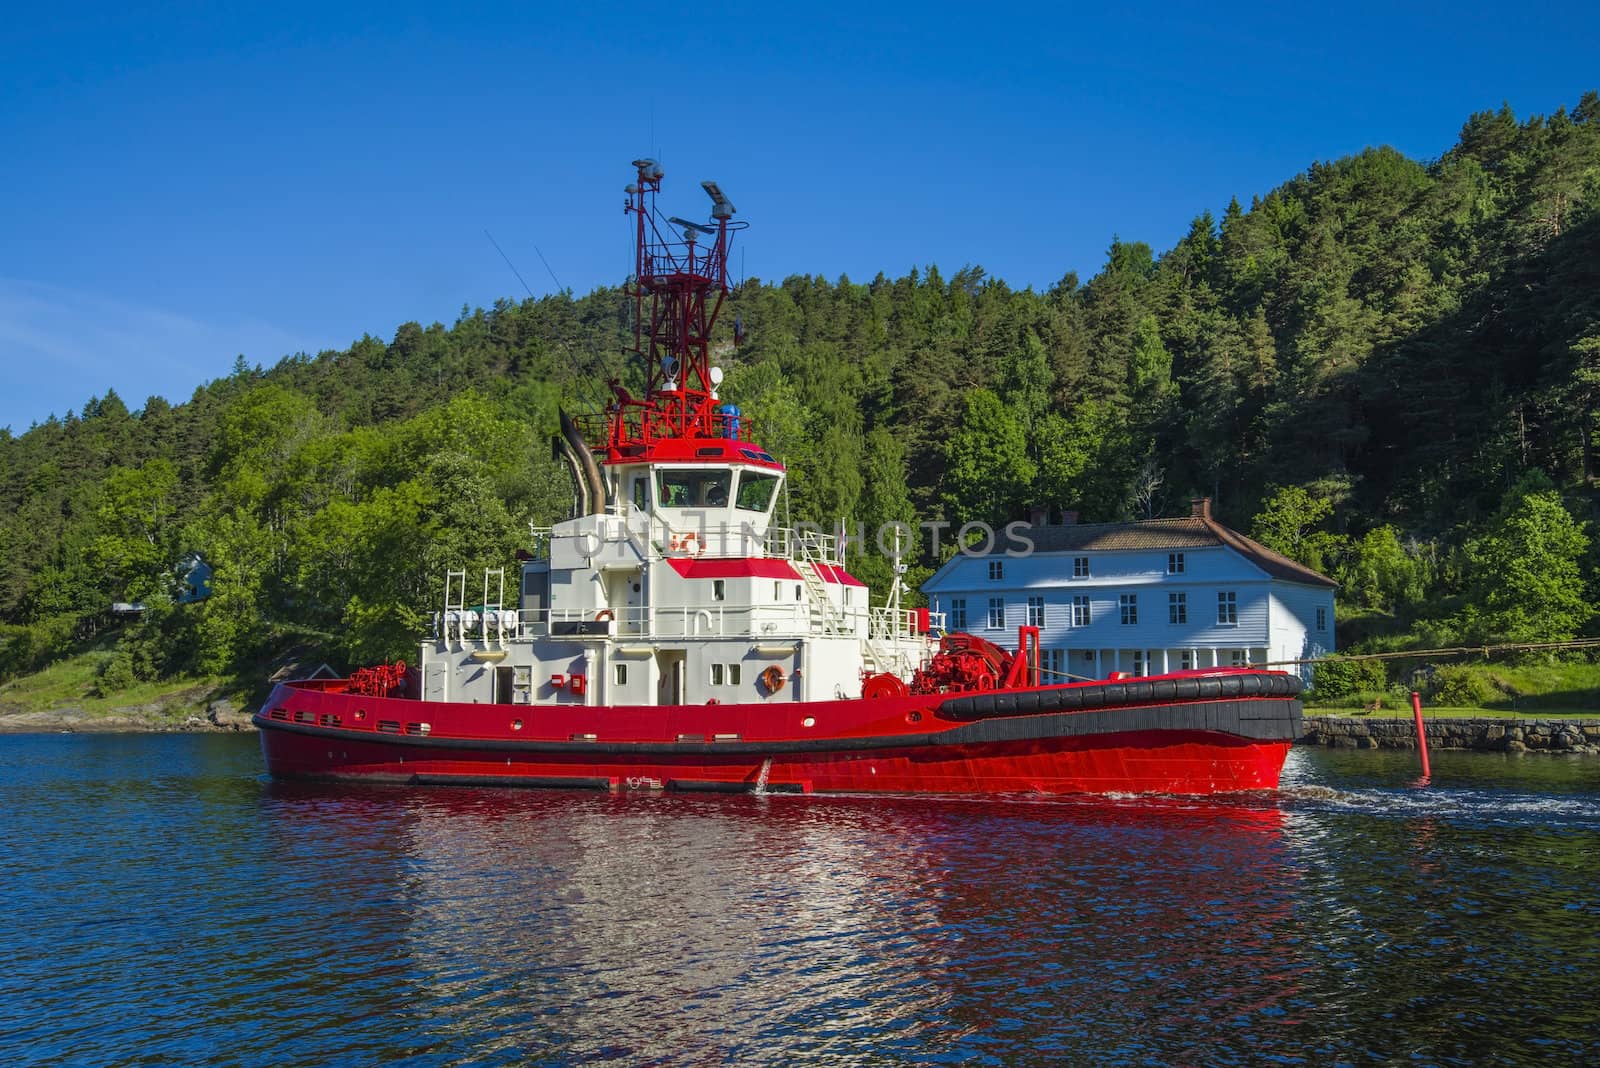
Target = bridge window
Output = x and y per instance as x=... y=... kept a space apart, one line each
x=755 y=491
x=694 y=488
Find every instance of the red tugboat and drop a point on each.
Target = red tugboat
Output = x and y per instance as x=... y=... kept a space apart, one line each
x=671 y=636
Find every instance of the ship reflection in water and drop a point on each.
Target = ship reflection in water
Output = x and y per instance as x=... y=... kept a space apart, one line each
x=171 y=905
x=571 y=926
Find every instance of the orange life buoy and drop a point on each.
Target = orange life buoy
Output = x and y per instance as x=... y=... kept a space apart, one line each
x=689 y=543
x=603 y=615
x=772 y=679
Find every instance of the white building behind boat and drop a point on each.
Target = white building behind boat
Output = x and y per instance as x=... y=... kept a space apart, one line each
x=1141 y=598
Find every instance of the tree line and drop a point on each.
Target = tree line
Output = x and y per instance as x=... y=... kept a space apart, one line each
x=1385 y=368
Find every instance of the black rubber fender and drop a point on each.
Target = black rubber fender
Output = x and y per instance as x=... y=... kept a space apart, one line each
x=1117 y=694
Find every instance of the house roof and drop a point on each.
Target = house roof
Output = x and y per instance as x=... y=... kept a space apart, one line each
x=1196 y=531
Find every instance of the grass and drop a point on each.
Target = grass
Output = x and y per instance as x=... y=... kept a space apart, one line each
x=1534 y=688
x=68 y=685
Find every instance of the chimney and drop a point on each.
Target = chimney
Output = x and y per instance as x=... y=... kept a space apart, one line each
x=1069 y=518
x=1200 y=508
x=1038 y=516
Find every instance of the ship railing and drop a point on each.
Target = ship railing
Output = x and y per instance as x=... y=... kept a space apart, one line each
x=743 y=621
x=802 y=543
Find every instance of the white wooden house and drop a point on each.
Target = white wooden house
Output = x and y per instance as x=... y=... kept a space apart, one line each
x=1142 y=598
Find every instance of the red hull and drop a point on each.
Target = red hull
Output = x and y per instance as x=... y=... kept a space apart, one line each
x=896 y=745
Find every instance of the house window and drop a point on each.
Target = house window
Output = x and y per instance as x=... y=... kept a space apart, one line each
x=1080 y=611
x=1174 y=563
x=622 y=674
x=1130 y=609
x=1080 y=567
x=1177 y=608
x=958 y=613
x=1140 y=666
x=997 y=570
x=997 y=613
x=1237 y=658
x=1035 y=611
x=1322 y=619
x=1227 y=607
x=718 y=589
x=716 y=674
x=1186 y=660
x=1054 y=663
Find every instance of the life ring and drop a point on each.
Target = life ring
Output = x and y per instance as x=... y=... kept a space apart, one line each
x=604 y=615
x=689 y=543
x=772 y=679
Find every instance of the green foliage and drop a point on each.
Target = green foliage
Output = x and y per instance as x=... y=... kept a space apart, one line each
x=1287 y=523
x=987 y=469
x=1459 y=686
x=1527 y=583
x=1382 y=574
x=1333 y=679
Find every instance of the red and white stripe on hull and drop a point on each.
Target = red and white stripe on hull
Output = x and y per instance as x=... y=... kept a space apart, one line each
x=896 y=745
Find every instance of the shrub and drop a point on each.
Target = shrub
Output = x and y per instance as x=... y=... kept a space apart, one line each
x=1458 y=686
x=1343 y=678
x=115 y=674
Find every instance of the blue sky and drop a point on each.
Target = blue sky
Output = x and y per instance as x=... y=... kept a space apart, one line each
x=183 y=184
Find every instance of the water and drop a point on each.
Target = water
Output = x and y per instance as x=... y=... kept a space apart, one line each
x=164 y=903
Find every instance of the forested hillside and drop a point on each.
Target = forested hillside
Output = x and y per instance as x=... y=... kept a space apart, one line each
x=1387 y=368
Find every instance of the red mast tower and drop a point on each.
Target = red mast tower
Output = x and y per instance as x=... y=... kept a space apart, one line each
x=680 y=281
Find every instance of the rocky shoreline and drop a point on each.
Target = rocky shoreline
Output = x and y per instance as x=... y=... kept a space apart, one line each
x=1482 y=735
x=189 y=713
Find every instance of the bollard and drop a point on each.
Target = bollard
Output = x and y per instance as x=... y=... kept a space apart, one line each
x=1422 y=735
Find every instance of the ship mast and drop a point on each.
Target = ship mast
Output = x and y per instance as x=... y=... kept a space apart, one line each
x=680 y=281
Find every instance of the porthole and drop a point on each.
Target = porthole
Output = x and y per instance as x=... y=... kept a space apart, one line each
x=809 y=721
x=516 y=724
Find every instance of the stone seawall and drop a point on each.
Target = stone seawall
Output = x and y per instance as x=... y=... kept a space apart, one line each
x=1492 y=735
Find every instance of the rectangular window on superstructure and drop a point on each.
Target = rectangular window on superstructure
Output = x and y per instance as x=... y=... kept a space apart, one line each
x=997 y=570
x=1130 y=609
x=733 y=674
x=1080 y=567
x=719 y=589
x=1080 y=611
x=622 y=674
x=716 y=674
x=1035 y=611
x=997 y=613
x=958 y=613
x=1177 y=608
x=1227 y=607
x=777 y=591
x=1174 y=563
x=1322 y=619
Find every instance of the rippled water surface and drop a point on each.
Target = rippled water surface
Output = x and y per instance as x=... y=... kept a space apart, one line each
x=164 y=903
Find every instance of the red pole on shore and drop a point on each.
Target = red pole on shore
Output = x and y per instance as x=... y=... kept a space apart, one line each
x=1422 y=735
